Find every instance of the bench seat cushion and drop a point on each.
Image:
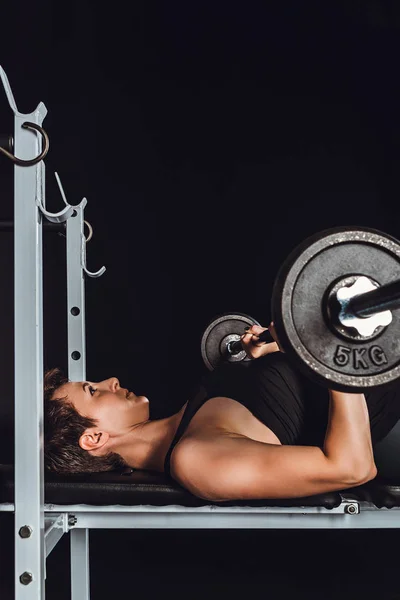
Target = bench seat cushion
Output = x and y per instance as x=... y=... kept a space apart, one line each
x=135 y=488
x=383 y=492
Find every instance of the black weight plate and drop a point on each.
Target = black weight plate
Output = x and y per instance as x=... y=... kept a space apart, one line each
x=297 y=308
x=226 y=328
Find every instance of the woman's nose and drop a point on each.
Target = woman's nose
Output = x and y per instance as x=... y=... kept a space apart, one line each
x=114 y=384
x=111 y=384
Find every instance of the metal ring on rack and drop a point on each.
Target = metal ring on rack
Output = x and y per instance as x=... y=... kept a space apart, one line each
x=89 y=237
x=32 y=161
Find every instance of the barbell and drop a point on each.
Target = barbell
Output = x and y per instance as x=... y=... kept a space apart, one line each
x=333 y=305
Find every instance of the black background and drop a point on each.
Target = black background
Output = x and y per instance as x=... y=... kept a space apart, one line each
x=209 y=139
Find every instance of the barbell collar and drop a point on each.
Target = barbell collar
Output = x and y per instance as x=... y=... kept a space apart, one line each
x=386 y=297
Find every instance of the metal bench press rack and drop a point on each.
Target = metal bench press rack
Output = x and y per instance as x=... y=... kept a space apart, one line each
x=39 y=526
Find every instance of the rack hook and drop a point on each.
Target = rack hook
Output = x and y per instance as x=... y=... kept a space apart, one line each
x=85 y=240
x=32 y=161
x=62 y=215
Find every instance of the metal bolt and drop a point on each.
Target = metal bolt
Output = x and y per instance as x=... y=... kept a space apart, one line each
x=72 y=520
x=26 y=578
x=351 y=509
x=25 y=531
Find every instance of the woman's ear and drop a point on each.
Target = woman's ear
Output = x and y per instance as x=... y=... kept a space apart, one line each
x=93 y=439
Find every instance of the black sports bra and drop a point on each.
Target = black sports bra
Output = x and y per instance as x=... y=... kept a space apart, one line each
x=269 y=387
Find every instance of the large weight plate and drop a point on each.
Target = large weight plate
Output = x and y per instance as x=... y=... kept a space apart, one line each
x=226 y=328
x=297 y=308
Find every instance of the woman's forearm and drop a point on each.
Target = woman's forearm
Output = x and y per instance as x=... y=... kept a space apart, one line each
x=348 y=436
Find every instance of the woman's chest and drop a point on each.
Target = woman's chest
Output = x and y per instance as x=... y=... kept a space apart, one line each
x=222 y=415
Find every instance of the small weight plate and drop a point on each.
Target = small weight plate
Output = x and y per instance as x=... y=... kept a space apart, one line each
x=226 y=328
x=299 y=314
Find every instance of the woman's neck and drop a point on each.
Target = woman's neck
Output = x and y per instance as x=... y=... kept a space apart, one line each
x=146 y=446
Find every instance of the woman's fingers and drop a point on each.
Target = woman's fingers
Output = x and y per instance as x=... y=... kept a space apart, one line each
x=257 y=330
x=250 y=345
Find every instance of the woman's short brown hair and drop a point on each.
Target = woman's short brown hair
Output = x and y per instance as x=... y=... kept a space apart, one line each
x=63 y=426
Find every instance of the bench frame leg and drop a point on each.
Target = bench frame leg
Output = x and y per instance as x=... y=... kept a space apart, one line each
x=80 y=574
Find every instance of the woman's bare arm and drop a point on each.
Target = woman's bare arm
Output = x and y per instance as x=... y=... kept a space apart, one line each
x=224 y=466
x=348 y=434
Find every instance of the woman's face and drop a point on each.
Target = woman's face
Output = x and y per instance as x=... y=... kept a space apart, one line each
x=116 y=409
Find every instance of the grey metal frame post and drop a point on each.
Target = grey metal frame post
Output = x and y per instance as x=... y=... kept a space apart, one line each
x=76 y=269
x=80 y=569
x=76 y=297
x=28 y=351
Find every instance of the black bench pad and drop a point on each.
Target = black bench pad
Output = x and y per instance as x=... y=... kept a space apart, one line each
x=382 y=492
x=135 y=488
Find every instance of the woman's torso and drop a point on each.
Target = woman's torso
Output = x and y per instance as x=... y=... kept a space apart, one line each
x=265 y=400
